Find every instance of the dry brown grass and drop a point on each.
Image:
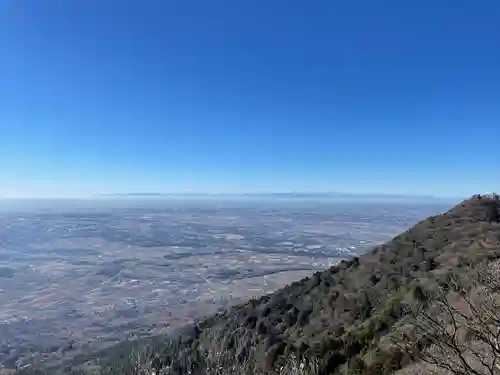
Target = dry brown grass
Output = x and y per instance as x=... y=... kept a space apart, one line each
x=142 y=362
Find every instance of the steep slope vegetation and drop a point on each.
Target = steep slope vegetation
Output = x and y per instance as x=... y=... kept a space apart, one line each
x=341 y=316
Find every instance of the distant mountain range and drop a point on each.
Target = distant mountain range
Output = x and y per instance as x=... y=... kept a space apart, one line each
x=289 y=195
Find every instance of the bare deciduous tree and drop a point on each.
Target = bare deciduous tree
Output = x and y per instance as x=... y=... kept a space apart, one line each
x=460 y=326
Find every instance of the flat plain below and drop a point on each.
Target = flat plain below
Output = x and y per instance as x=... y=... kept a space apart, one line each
x=78 y=276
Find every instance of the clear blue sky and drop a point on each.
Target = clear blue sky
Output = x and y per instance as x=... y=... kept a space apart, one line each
x=249 y=96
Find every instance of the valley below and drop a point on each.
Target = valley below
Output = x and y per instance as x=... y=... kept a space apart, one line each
x=77 y=277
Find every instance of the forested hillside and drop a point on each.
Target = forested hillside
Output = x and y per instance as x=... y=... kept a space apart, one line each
x=341 y=316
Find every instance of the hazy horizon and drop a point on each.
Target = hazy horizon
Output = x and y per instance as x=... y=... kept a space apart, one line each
x=292 y=195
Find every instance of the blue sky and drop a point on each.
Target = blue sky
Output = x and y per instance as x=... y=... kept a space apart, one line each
x=249 y=96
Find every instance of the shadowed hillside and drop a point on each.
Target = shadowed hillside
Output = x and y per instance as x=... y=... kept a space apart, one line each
x=340 y=315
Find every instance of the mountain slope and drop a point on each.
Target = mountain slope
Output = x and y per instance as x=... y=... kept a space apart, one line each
x=342 y=314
